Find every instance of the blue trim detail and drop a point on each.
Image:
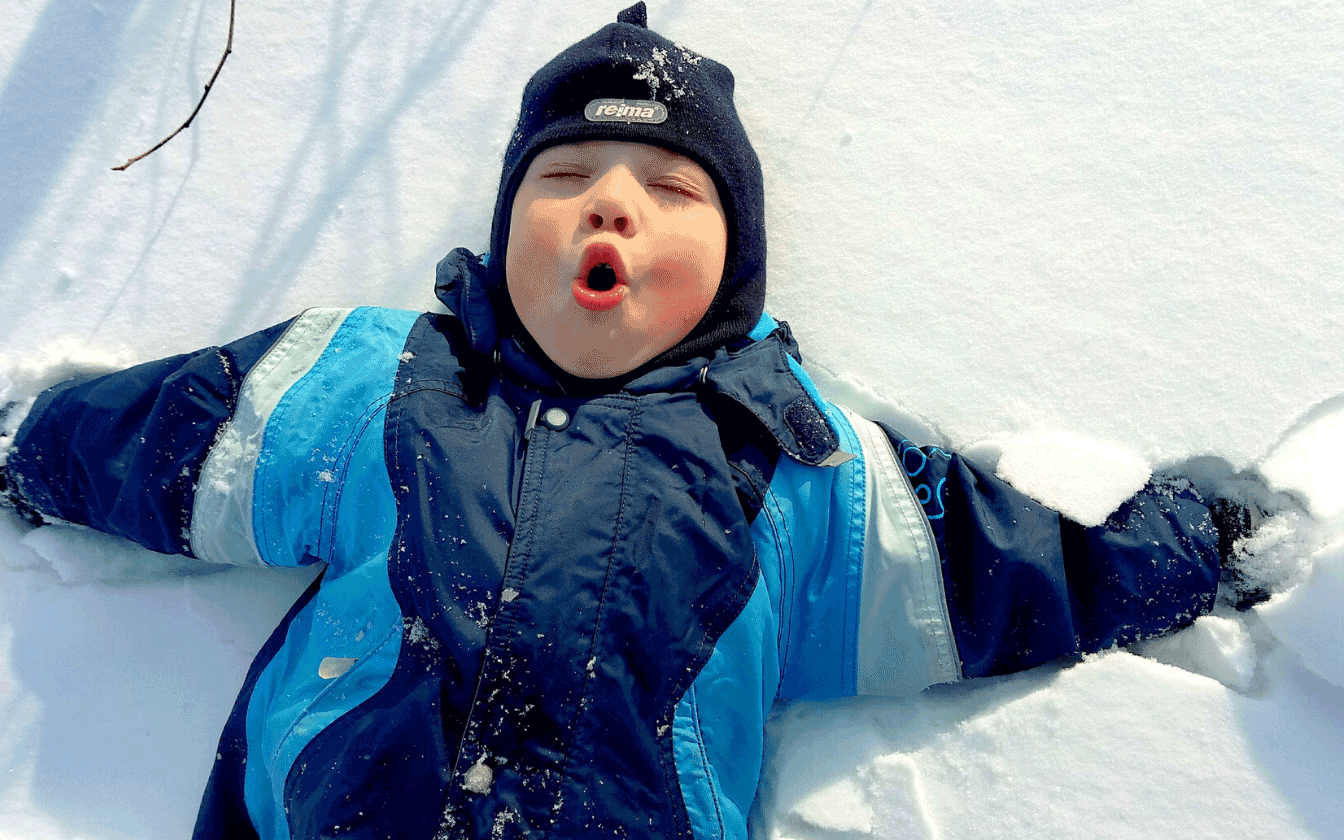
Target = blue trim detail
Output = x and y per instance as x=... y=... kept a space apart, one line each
x=315 y=468
x=353 y=616
x=849 y=507
x=718 y=730
x=220 y=816
x=821 y=510
x=811 y=389
x=764 y=326
x=307 y=447
x=929 y=488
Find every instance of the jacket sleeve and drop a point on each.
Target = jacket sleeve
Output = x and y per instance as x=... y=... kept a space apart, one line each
x=122 y=452
x=1017 y=584
x=243 y=454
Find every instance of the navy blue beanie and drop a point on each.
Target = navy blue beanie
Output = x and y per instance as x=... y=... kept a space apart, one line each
x=626 y=82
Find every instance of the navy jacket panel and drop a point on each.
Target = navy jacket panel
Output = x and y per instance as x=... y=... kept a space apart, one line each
x=1159 y=547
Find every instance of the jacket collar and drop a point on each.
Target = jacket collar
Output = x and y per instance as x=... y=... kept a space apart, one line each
x=761 y=373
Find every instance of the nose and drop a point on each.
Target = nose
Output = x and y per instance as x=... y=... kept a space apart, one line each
x=619 y=223
x=611 y=205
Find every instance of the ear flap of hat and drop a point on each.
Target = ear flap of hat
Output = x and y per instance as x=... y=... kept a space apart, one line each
x=637 y=15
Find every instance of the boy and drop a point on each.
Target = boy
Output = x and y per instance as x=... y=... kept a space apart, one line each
x=581 y=531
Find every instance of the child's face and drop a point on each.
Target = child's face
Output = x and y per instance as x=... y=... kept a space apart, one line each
x=652 y=215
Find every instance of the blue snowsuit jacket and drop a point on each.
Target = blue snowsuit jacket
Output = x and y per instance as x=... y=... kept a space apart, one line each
x=546 y=616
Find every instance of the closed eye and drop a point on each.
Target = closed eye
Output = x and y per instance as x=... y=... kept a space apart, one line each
x=679 y=187
x=564 y=173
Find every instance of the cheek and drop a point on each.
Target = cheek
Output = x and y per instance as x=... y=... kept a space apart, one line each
x=532 y=251
x=540 y=230
x=708 y=237
x=695 y=266
x=692 y=283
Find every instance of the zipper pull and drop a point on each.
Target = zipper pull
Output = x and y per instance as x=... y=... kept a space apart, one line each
x=531 y=420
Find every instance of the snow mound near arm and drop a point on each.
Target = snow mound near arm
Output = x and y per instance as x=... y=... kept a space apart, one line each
x=1308 y=463
x=1307 y=619
x=1084 y=479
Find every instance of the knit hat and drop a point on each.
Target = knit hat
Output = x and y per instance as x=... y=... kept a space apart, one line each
x=626 y=82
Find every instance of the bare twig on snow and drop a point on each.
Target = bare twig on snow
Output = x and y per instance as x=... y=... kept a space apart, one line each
x=228 y=48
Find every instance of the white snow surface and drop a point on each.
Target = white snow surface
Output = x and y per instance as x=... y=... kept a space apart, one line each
x=1083 y=241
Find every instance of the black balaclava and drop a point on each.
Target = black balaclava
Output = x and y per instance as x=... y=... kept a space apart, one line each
x=663 y=94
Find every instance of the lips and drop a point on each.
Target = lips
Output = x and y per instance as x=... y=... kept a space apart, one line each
x=601 y=281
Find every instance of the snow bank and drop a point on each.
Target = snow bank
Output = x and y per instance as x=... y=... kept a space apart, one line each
x=1053 y=753
x=1309 y=619
x=1309 y=459
x=112 y=695
x=1220 y=646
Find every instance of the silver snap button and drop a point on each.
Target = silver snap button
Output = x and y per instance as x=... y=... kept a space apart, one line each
x=556 y=418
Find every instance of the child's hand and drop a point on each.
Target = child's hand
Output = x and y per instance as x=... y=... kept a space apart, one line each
x=1257 y=560
x=1235 y=522
x=8 y=496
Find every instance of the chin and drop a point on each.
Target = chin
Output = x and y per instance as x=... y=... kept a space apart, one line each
x=597 y=371
x=595 y=365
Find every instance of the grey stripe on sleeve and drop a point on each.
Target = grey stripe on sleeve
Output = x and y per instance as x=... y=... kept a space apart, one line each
x=221 y=515
x=905 y=636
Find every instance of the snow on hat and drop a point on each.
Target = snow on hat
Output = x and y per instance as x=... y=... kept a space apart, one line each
x=626 y=82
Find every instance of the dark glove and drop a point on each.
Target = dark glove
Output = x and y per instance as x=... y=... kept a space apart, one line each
x=9 y=494
x=6 y=497
x=1235 y=521
x=9 y=497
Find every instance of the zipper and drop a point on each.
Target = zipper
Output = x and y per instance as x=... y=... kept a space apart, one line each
x=525 y=515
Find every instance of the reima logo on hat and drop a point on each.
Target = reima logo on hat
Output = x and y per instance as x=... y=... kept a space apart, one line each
x=625 y=110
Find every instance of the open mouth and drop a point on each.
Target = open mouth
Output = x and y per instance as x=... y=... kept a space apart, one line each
x=601 y=282
x=601 y=277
